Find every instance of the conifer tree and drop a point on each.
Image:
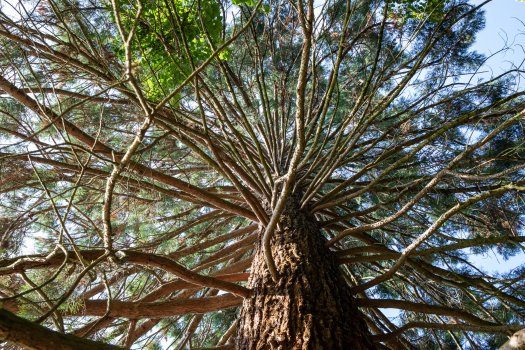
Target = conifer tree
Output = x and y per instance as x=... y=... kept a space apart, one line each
x=256 y=175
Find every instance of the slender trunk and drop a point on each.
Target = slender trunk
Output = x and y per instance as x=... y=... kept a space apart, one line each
x=311 y=306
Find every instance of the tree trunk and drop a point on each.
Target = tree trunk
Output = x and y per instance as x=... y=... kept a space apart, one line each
x=311 y=306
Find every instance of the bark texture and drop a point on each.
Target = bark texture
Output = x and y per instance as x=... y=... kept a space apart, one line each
x=29 y=335
x=311 y=306
x=138 y=310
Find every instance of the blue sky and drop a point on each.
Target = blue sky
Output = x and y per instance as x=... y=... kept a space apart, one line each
x=503 y=26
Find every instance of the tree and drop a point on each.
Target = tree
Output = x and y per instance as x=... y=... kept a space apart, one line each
x=166 y=163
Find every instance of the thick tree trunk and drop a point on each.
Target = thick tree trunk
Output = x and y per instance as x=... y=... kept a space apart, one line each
x=311 y=306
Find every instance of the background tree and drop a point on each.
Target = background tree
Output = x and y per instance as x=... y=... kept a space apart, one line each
x=165 y=162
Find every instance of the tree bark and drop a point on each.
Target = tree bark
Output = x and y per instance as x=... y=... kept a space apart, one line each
x=311 y=306
x=29 y=335
x=163 y=309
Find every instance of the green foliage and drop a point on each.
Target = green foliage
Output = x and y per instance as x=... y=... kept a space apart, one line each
x=244 y=2
x=72 y=305
x=171 y=37
x=432 y=10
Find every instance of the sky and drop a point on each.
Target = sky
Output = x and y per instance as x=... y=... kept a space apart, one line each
x=505 y=23
x=505 y=26
x=502 y=28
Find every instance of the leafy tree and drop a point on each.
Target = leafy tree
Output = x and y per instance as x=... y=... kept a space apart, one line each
x=247 y=175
